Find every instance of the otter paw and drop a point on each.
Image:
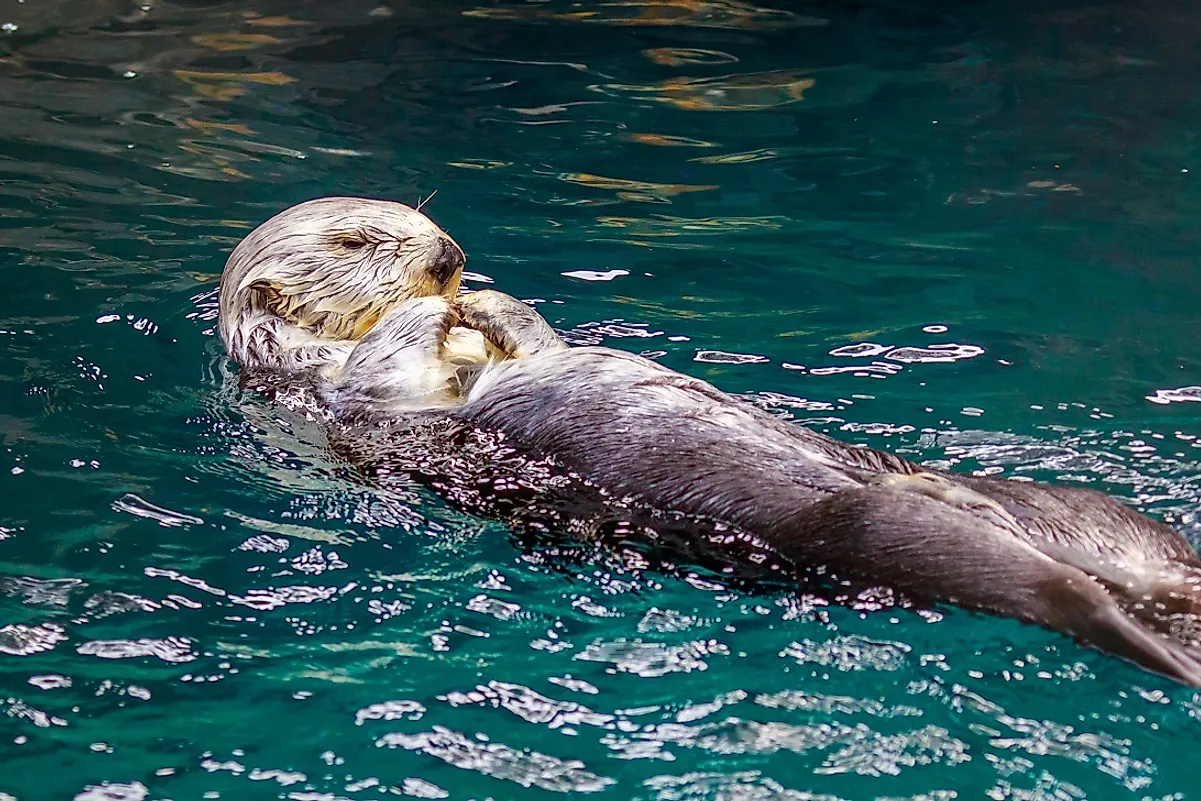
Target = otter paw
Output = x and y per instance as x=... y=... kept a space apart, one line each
x=513 y=328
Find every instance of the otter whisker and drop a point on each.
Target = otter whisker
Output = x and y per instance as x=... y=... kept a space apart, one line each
x=421 y=203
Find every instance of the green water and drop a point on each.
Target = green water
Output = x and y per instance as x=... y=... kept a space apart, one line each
x=961 y=232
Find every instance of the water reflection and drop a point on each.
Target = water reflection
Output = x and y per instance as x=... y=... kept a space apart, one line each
x=746 y=92
x=688 y=13
x=195 y=597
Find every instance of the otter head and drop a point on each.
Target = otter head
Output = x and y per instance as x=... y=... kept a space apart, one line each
x=324 y=272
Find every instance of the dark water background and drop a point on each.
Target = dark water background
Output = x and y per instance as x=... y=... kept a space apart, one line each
x=964 y=232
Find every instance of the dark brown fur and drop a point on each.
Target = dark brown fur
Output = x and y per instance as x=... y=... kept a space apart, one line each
x=1074 y=561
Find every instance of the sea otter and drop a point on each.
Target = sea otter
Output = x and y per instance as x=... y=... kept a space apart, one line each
x=656 y=442
x=302 y=288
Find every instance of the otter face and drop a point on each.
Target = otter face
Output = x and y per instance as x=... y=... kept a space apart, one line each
x=329 y=269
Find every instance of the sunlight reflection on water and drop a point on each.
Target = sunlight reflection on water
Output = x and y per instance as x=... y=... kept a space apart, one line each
x=964 y=235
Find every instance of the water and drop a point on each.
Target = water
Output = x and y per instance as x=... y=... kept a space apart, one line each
x=962 y=234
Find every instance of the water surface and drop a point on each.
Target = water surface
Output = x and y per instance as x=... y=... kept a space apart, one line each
x=965 y=234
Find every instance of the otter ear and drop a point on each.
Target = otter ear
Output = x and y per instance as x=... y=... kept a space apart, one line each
x=267 y=297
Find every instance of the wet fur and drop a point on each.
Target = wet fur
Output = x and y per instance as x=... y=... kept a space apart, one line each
x=304 y=286
x=632 y=435
x=1074 y=561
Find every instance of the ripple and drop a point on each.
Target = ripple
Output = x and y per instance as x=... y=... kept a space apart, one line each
x=50 y=682
x=934 y=354
x=494 y=607
x=264 y=543
x=742 y=157
x=877 y=429
x=596 y=275
x=861 y=350
x=171 y=649
x=631 y=189
x=667 y=621
x=617 y=329
x=661 y=13
x=390 y=710
x=284 y=778
x=772 y=401
x=722 y=357
x=666 y=225
x=734 y=736
x=22 y=711
x=679 y=56
x=114 y=791
x=888 y=754
x=666 y=140
x=849 y=653
x=831 y=704
x=748 y=785
x=41 y=592
x=21 y=640
x=905 y=355
x=526 y=768
x=138 y=507
x=1037 y=738
x=264 y=600
x=108 y=603
x=187 y=581
x=875 y=368
x=531 y=706
x=575 y=685
x=652 y=659
x=316 y=561
x=756 y=91
x=420 y=788
x=1182 y=395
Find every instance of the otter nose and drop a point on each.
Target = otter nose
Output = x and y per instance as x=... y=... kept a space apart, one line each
x=447 y=259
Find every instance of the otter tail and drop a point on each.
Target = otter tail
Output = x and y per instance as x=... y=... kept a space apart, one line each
x=950 y=552
x=1162 y=594
x=1085 y=610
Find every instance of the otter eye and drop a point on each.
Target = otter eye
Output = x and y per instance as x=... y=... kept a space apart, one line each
x=352 y=242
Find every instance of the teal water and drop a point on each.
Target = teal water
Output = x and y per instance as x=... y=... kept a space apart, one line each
x=962 y=233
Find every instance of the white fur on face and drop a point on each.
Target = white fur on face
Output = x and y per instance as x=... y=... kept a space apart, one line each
x=325 y=271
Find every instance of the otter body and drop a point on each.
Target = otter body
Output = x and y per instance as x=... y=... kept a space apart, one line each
x=642 y=437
